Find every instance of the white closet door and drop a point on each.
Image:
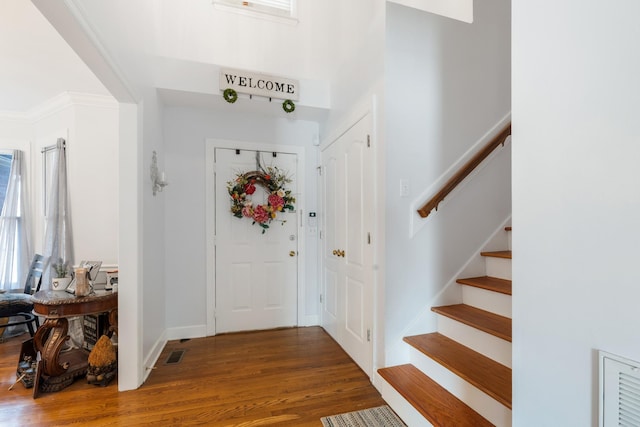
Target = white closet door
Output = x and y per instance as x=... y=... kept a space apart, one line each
x=347 y=279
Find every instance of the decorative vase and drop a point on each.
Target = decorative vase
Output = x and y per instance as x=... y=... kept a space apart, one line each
x=60 y=283
x=83 y=287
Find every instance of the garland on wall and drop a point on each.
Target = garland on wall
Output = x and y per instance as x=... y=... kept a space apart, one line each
x=231 y=96
x=279 y=199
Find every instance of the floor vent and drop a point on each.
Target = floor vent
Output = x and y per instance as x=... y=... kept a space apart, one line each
x=175 y=357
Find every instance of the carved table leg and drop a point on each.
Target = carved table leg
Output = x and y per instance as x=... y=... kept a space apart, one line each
x=56 y=372
x=49 y=339
x=113 y=321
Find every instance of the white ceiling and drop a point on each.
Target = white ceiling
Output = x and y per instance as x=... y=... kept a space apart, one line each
x=36 y=64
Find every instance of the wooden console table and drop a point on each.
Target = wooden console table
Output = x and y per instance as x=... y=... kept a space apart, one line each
x=59 y=369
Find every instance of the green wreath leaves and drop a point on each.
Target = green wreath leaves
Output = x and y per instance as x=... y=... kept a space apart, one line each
x=230 y=95
x=288 y=106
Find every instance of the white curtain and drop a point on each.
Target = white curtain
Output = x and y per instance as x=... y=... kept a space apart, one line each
x=58 y=242
x=14 y=233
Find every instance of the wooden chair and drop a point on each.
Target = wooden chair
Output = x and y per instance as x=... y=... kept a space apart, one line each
x=17 y=304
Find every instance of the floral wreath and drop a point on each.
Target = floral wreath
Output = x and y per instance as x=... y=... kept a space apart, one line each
x=279 y=200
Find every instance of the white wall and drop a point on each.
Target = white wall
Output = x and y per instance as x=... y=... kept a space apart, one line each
x=576 y=202
x=14 y=126
x=153 y=237
x=89 y=124
x=185 y=132
x=197 y=31
x=447 y=83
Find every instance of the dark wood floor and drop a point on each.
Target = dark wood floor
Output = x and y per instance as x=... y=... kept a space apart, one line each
x=283 y=377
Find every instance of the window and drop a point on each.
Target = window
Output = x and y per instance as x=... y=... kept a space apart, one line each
x=5 y=170
x=282 y=8
x=13 y=242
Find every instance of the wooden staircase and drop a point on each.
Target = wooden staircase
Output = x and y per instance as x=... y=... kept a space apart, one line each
x=461 y=375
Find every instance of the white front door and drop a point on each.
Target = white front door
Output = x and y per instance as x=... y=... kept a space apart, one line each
x=347 y=310
x=255 y=272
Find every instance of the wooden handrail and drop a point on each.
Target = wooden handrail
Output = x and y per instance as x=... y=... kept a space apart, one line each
x=456 y=179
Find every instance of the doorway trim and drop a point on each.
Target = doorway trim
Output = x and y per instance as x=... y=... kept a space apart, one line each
x=210 y=211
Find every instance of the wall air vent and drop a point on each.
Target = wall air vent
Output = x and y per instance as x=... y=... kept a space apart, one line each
x=619 y=391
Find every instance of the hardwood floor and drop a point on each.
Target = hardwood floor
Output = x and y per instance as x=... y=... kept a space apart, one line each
x=282 y=377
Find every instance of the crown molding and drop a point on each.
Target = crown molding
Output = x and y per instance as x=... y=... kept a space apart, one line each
x=57 y=104
x=15 y=117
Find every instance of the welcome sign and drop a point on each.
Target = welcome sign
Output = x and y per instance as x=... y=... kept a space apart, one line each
x=259 y=84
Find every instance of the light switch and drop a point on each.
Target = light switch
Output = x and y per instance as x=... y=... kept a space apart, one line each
x=404 y=188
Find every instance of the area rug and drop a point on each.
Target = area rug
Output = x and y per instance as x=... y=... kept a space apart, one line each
x=381 y=416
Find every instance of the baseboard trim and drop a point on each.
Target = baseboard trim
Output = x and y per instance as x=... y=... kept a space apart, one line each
x=185 y=332
x=154 y=355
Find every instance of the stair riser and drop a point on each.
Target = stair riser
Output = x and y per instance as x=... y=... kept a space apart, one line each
x=509 y=239
x=479 y=401
x=400 y=405
x=482 y=342
x=498 y=267
x=487 y=300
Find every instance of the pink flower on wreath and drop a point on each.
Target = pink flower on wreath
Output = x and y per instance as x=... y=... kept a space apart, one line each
x=260 y=215
x=247 y=211
x=276 y=202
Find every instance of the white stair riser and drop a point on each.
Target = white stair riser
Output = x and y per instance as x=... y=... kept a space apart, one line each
x=509 y=237
x=498 y=267
x=493 y=347
x=494 y=302
x=401 y=406
x=479 y=401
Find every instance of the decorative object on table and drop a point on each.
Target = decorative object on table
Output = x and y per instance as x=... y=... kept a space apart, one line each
x=82 y=282
x=60 y=281
x=92 y=269
x=158 y=180
x=102 y=362
x=279 y=199
x=112 y=281
x=382 y=416
x=288 y=106
x=93 y=327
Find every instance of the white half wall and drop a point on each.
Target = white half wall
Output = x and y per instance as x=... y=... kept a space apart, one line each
x=576 y=202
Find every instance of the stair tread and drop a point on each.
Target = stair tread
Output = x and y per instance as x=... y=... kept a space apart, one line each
x=489 y=283
x=437 y=405
x=497 y=254
x=486 y=321
x=508 y=228
x=486 y=374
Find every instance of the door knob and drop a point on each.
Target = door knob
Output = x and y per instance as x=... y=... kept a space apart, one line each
x=341 y=253
x=292 y=253
x=335 y=252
